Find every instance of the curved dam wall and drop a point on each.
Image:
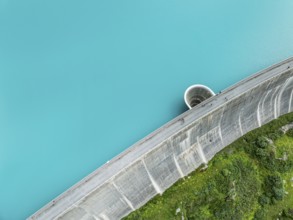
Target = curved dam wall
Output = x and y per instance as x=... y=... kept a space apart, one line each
x=153 y=164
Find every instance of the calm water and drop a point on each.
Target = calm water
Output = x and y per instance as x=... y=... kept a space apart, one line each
x=80 y=81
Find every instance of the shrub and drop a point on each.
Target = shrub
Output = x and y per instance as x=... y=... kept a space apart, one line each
x=290 y=132
x=278 y=193
x=263 y=200
x=284 y=166
x=275 y=135
x=261 y=153
x=274 y=188
x=261 y=142
x=259 y=214
x=288 y=213
x=226 y=172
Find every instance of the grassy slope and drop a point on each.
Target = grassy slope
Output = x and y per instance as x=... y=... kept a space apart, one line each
x=246 y=180
x=284 y=144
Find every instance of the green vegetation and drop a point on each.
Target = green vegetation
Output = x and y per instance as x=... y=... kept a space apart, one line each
x=250 y=179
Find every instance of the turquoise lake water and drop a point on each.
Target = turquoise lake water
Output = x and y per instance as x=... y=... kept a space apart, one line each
x=80 y=81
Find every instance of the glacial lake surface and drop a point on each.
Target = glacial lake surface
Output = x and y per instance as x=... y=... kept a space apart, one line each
x=81 y=81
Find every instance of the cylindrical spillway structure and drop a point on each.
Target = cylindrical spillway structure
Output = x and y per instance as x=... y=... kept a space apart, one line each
x=196 y=94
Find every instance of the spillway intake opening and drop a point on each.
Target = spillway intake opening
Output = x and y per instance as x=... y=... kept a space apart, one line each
x=196 y=94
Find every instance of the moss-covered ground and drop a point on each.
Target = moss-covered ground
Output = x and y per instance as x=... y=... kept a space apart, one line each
x=250 y=179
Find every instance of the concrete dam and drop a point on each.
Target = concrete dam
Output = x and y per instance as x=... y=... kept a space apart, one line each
x=156 y=162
